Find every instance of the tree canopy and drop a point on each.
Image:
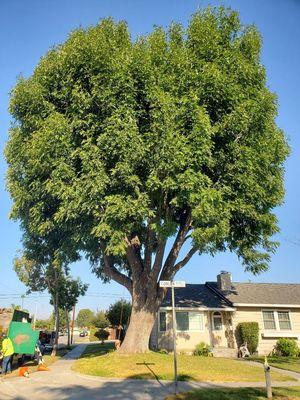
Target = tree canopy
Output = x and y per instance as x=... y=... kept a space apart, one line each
x=120 y=145
x=118 y=313
x=85 y=317
x=100 y=320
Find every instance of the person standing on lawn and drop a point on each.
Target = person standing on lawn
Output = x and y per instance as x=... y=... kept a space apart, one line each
x=7 y=353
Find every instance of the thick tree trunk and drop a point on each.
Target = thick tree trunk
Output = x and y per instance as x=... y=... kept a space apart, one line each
x=143 y=281
x=143 y=314
x=139 y=330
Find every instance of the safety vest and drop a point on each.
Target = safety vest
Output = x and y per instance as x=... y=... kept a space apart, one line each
x=7 y=347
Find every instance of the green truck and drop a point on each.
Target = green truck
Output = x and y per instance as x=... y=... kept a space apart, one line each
x=17 y=325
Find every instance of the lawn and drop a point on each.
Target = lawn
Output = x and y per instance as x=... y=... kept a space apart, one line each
x=289 y=363
x=238 y=394
x=32 y=366
x=101 y=360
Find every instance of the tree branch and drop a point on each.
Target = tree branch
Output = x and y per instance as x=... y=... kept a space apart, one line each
x=111 y=271
x=158 y=258
x=133 y=255
x=185 y=260
x=149 y=244
x=173 y=254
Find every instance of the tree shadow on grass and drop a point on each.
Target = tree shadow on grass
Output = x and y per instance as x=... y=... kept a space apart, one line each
x=134 y=390
x=125 y=390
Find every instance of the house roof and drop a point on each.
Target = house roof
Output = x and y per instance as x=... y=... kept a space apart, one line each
x=242 y=294
x=260 y=293
x=195 y=296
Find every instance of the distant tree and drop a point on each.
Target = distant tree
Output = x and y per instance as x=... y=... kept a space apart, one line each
x=141 y=153
x=100 y=320
x=119 y=313
x=46 y=324
x=69 y=292
x=15 y=306
x=85 y=317
x=62 y=320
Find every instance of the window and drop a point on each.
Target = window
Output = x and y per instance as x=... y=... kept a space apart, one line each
x=284 y=320
x=182 y=321
x=189 y=321
x=269 y=320
x=276 y=320
x=196 y=321
x=217 y=321
x=162 y=321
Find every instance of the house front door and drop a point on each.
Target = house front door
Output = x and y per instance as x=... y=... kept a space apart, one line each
x=221 y=329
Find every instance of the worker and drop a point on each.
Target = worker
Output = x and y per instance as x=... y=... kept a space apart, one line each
x=7 y=353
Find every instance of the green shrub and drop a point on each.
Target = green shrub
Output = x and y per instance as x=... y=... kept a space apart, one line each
x=202 y=349
x=102 y=335
x=287 y=348
x=162 y=351
x=249 y=332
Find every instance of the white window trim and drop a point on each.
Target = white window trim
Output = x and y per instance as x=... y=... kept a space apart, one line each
x=213 y=323
x=162 y=312
x=276 y=319
x=203 y=322
x=194 y=330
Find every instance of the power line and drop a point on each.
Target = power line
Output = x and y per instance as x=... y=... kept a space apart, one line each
x=8 y=296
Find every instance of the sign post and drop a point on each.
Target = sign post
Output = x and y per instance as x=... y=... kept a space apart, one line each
x=172 y=285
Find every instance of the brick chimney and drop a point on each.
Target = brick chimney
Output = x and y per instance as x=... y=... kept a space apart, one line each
x=224 y=281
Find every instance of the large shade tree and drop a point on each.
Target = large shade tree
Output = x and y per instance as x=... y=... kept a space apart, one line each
x=139 y=149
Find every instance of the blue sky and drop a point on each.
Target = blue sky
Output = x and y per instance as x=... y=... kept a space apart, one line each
x=29 y=28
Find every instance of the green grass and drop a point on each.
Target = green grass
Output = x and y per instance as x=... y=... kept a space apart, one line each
x=237 y=394
x=101 y=360
x=288 y=363
x=32 y=366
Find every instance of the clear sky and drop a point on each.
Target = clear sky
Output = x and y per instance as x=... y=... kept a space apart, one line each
x=29 y=28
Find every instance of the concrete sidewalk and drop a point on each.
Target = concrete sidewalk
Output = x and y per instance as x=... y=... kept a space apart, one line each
x=61 y=383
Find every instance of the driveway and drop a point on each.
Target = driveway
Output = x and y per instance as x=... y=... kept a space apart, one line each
x=61 y=383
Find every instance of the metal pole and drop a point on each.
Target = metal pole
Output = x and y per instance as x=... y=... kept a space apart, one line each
x=174 y=341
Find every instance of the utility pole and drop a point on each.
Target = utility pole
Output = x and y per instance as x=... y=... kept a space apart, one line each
x=35 y=313
x=172 y=285
x=73 y=320
x=22 y=301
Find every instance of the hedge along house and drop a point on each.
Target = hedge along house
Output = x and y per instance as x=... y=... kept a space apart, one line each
x=211 y=312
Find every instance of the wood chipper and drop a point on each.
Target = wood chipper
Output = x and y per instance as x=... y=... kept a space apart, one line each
x=17 y=325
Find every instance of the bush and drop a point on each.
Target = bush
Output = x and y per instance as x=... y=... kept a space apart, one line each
x=162 y=351
x=249 y=332
x=202 y=349
x=102 y=335
x=287 y=348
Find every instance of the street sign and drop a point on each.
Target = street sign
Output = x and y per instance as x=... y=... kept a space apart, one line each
x=172 y=284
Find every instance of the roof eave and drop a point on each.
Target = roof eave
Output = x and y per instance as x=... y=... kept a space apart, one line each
x=169 y=308
x=271 y=305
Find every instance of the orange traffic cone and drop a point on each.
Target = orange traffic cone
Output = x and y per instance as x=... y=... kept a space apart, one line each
x=23 y=371
x=42 y=367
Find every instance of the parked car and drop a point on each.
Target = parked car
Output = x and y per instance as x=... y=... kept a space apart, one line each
x=83 y=333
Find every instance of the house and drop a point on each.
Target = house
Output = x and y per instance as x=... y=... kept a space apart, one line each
x=211 y=312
